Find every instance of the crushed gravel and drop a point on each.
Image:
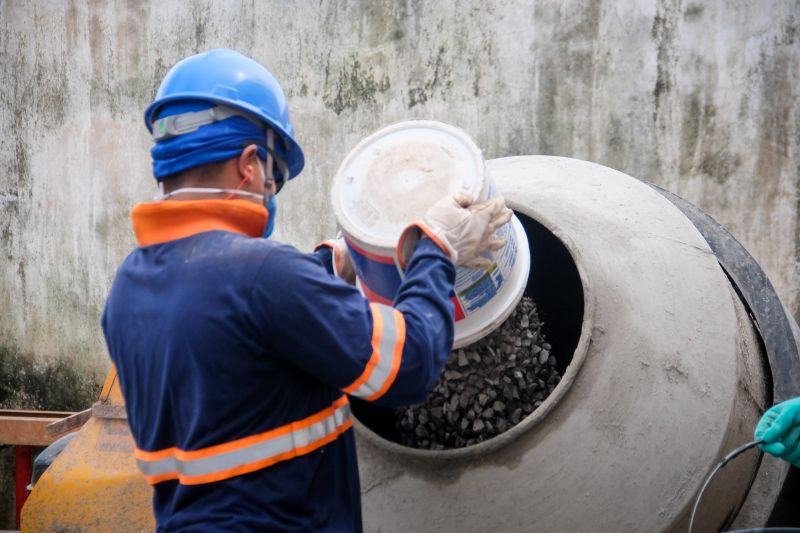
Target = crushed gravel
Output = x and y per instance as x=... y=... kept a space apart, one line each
x=486 y=388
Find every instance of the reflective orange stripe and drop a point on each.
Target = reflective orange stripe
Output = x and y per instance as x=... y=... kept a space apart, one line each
x=388 y=339
x=377 y=333
x=264 y=463
x=397 y=356
x=239 y=443
x=248 y=454
x=163 y=477
x=154 y=456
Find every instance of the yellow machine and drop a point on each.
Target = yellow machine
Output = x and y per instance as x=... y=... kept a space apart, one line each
x=94 y=484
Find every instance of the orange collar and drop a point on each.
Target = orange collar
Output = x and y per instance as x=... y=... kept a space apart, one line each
x=157 y=222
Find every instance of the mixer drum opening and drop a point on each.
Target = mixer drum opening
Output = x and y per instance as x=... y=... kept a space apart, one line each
x=555 y=287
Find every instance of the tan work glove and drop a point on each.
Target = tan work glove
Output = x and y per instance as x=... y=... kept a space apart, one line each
x=342 y=262
x=463 y=229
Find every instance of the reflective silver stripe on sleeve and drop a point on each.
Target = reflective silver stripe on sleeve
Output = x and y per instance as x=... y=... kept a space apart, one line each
x=387 y=344
x=156 y=468
x=256 y=452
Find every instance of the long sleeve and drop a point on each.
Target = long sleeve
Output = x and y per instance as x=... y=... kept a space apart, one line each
x=324 y=253
x=391 y=355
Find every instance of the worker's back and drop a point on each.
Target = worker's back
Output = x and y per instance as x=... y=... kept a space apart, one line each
x=235 y=354
x=194 y=327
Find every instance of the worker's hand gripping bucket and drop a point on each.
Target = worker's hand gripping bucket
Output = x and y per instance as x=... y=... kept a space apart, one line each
x=389 y=180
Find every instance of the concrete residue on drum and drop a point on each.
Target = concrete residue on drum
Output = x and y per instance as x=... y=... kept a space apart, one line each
x=424 y=172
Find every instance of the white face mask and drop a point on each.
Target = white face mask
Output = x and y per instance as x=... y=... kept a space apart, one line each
x=211 y=190
x=204 y=190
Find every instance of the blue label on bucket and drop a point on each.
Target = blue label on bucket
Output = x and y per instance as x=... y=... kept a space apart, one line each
x=475 y=288
x=482 y=290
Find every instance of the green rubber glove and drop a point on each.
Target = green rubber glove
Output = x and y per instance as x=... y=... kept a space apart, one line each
x=780 y=429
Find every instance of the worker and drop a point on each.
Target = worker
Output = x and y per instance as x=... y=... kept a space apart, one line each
x=779 y=428
x=236 y=354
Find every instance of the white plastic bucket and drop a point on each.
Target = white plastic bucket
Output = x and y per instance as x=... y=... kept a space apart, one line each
x=389 y=180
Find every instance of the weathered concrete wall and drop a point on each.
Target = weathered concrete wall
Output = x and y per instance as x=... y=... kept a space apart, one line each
x=701 y=97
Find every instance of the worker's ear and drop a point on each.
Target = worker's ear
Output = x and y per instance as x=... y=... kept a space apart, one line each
x=247 y=163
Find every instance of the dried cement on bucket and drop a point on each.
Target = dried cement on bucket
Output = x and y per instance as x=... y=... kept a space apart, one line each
x=389 y=180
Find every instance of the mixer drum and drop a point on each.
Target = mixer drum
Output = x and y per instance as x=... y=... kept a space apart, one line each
x=663 y=374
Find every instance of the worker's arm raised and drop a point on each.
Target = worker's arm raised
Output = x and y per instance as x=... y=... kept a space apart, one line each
x=326 y=327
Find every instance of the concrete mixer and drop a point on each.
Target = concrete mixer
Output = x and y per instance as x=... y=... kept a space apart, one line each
x=671 y=343
x=663 y=369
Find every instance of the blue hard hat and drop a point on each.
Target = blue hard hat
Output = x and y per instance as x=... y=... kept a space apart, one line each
x=232 y=79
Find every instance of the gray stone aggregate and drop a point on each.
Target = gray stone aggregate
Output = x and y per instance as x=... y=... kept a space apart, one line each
x=486 y=388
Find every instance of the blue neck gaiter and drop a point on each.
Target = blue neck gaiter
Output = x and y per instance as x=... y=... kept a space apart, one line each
x=215 y=142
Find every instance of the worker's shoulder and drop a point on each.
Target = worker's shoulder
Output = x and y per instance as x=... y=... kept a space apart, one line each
x=209 y=251
x=206 y=249
x=262 y=251
x=250 y=250
x=284 y=274
x=289 y=259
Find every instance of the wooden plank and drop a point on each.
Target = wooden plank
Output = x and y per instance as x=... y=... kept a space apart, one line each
x=29 y=428
x=35 y=414
x=70 y=423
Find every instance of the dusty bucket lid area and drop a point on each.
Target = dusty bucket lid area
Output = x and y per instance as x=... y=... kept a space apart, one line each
x=393 y=176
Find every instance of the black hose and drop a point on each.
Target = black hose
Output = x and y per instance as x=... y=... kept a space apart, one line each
x=734 y=454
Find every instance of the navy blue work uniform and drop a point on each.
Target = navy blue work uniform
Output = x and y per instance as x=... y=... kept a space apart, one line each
x=236 y=356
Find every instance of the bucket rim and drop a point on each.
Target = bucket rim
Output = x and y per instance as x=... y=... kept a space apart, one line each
x=360 y=234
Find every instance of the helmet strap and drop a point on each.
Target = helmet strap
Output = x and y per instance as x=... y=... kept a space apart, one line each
x=175 y=125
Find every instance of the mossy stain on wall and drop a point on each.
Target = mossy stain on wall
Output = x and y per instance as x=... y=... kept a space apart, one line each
x=54 y=385
x=352 y=85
